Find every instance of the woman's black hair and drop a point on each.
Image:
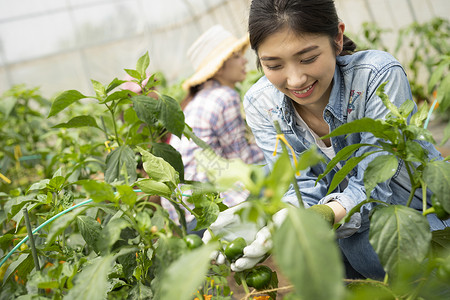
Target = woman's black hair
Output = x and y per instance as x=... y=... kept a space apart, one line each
x=302 y=16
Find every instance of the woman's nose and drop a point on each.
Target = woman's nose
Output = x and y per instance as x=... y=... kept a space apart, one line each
x=295 y=77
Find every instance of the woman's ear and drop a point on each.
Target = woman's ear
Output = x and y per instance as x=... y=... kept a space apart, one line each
x=339 y=40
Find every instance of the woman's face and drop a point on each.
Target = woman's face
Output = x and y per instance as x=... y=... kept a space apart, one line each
x=300 y=66
x=233 y=70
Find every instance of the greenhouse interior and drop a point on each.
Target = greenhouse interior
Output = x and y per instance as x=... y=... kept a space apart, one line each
x=117 y=182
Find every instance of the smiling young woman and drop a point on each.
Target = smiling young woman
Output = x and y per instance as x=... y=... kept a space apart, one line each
x=314 y=82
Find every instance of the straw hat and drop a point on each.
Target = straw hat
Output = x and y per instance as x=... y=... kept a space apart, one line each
x=210 y=51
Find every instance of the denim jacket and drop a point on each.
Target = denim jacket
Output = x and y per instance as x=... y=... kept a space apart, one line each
x=353 y=96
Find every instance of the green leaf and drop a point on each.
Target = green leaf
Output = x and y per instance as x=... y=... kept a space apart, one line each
x=169 y=154
x=436 y=76
x=90 y=229
x=152 y=187
x=63 y=100
x=446 y=134
x=98 y=191
x=342 y=155
x=224 y=173
x=436 y=174
x=380 y=169
x=119 y=157
x=171 y=115
x=147 y=109
x=79 y=121
x=23 y=265
x=182 y=285
x=142 y=64
x=119 y=95
x=92 y=281
x=127 y=195
x=158 y=169
x=113 y=84
x=133 y=73
x=60 y=224
x=111 y=234
x=415 y=152
x=420 y=116
x=99 y=89
x=208 y=214
x=399 y=235
x=309 y=158
x=280 y=177
x=140 y=292
x=377 y=127
x=346 y=169
x=406 y=108
x=418 y=133
x=304 y=246
x=187 y=131
x=380 y=93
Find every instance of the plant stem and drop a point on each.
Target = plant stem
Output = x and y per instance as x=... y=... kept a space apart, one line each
x=244 y=283
x=294 y=179
x=424 y=195
x=111 y=110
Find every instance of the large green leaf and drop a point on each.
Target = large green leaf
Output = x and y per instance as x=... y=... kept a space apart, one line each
x=436 y=174
x=169 y=154
x=380 y=169
x=92 y=281
x=63 y=100
x=116 y=160
x=147 y=109
x=399 y=235
x=179 y=284
x=171 y=115
x=307 y=254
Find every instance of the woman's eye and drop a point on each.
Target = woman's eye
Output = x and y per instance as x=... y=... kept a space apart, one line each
x=309 y=60
x=273 y=67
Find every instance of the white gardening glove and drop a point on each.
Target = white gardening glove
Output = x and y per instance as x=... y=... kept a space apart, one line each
x=229 y=226
x=262 y=244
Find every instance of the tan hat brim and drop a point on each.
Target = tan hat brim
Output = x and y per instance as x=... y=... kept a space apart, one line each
x=217 y=58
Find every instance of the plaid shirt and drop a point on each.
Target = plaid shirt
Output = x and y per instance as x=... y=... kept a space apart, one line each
x=214 y=115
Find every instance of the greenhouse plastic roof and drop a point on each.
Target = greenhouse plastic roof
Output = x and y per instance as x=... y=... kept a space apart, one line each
x=58 y=45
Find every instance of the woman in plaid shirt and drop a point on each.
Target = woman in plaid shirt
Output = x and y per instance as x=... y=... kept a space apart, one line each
x=213 y=110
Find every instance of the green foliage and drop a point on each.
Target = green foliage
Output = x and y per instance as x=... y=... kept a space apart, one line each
x=121 y=245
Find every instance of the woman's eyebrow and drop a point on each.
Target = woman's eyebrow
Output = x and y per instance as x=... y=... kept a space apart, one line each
x=303 y=51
